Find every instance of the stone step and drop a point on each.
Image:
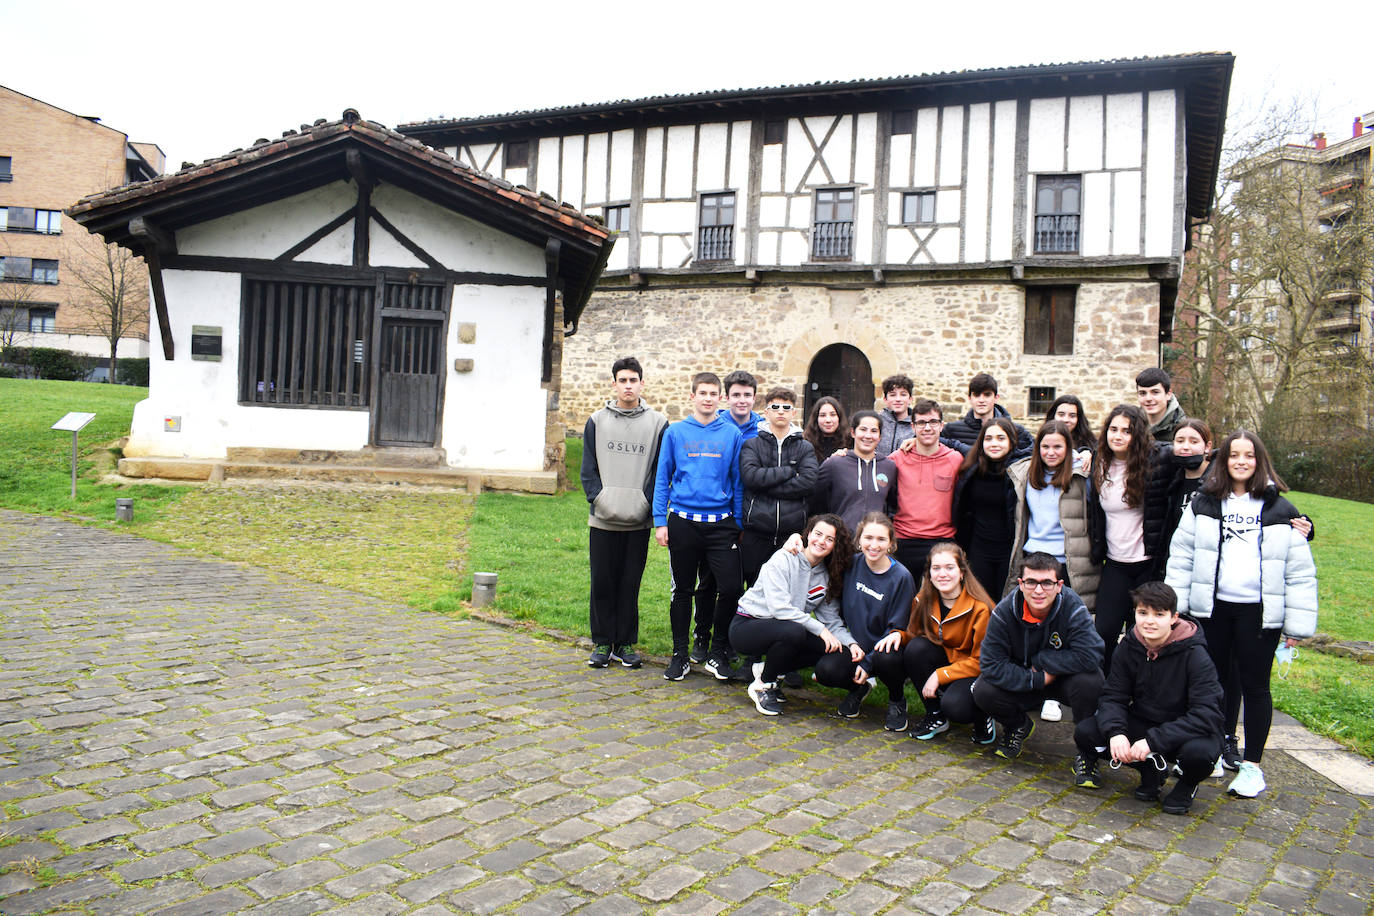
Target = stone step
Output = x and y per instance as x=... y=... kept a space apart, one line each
x=472 y=480
x=365 y=457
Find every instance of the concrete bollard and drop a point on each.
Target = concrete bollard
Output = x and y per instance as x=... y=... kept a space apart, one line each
x=483 y=588
x=124 y=510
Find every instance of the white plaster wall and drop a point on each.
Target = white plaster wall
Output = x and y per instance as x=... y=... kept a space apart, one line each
x=768 y=248
x=794 y=249
x=799 y=153
x=383 y=248
x=952 y=145
x=863 y=228
x=925 y=137
x=1123 y=130
x=711 y=175
x=334 y=248
x=677 y=250
x=976 y=185
x=620 y=254
x=595 y=191
x=678 y=179
x=1096 y=227
x=1085 y=134
x=1045 y=150
x=649 y=251
x=622 y=164
x=899 y=161
x=900 y=245
x=837 y=149
x=670 y=216
x=865 y=148
x=653 y=162
x=772 y=211
x=1159 y=176
x=944 y=245
x=205 y=394
x=494 y=415
x=947 y=206
x=739 y=162
x=485 y=156
x=1126 y=233
x=572 y=171
x=520 y=176
x=547 y=169
x=772 y=167
x=1003 y=182
x=457 y=242
x=268 y=230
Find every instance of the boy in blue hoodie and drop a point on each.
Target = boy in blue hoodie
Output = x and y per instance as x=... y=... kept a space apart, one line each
x=698 y=502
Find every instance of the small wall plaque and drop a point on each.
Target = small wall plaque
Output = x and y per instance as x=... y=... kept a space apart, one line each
x=171 y=424
x=207 y=342
x=462 y=365
x=467 y=332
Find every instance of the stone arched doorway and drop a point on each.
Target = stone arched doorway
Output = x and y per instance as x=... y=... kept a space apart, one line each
x=842 y=372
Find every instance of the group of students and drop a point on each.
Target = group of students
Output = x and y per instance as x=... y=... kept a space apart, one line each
x=802 y=547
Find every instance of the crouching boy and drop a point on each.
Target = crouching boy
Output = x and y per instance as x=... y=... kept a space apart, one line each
x=1161 y=704
x=1041 y=644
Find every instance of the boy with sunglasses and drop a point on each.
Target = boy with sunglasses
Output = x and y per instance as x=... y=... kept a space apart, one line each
x=778 y=469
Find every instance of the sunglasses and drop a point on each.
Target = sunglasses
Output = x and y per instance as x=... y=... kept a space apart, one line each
x=784 y=407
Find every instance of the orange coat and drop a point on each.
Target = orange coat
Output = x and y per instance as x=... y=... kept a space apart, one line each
x=961 y=635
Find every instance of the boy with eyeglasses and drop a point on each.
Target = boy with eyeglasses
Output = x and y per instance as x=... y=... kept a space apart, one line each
x=925 y=488
x=1041 y=644
x=778 y=469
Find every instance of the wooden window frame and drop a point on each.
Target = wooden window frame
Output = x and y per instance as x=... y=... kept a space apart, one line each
x=1047 y=323
x=830 y=241
x=622 y=220
x=1058 y=230
x=922 y=195
x=903 y=123
x=774 y=131
x=716 y=232
x=516 y=154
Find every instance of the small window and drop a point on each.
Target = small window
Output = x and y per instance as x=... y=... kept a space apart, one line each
x=518 y=154
x=901 y=123
x=1057 y=210
x=48 y=222
x=1039 y=402
x=716 y=232
x=42 y=320
x=774 y=131
x=5 y=174
x=1050 y=319
x=918 y=208
x=832 y=232
x=44 y=271
x=618 y=218
x=19 y=269
x=20 y=219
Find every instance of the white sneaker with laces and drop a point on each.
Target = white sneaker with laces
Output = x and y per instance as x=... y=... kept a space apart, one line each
x=1249 y=782
x=1050 y=711
x=1219 y=770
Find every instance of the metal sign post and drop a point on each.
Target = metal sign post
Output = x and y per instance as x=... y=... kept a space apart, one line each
x=73 y=422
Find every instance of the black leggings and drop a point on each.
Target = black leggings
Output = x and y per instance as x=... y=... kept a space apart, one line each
x=916 y=662
x=1114 y=610
x=1235 y=637
x=785 y=645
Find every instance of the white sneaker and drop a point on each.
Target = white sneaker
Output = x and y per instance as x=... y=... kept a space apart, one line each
x=1050 y=711
x=1249 y=782
x=1219 y=770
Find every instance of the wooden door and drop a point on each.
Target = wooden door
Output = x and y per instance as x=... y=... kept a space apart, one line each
x=409 y=381
x=844 y=373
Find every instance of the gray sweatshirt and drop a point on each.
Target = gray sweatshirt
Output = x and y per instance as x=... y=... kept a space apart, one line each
x=789 y=588
x=619 y=458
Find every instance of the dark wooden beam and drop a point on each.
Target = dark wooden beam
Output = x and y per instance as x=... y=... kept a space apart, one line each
x=361 y=224
x=152 y=235
x=155 y=242
x=552 y=250
x=314 y=270
x=305 y=243
x=406 y=242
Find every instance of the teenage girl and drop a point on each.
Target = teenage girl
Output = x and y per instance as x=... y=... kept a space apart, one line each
x=1129 y=502
x=1246 y=574
x=1068 y=410
x=776 y=616
x=874 y=610
x=827 y=428
x=984 y=505
x=944 y=639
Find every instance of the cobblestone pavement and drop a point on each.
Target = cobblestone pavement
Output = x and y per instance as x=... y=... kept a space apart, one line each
x=186 y=735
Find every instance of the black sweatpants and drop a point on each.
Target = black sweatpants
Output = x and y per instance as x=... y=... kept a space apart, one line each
x=1114 y=610
x=1195 y=757
x=1235 y=638
x=916 y=663
x=689 y=545
x=1080 y=691
x=912 y=553
x=617 y=562
x=784 y=645
x=755 y=549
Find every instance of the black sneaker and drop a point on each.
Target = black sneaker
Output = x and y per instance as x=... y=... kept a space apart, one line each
x=1013 y=739
x=627 y=656
x=984 y=731
x=765 y=697
x=1180 y=798
x=792 y=679
x=701 y=648
x=600 y=658
x=853 y=701
x=677 y=668
x=896 y=715
x=718 y=665
x=1151 y=781
x=1230 y=753
x=1085 y=772
x=931 y=725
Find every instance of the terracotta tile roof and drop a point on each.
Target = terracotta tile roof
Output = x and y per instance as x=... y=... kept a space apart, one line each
x=539 y=204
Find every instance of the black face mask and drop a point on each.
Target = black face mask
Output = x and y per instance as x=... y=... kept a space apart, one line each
x=1188 y=462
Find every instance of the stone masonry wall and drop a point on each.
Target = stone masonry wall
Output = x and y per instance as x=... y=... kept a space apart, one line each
x=940 y=333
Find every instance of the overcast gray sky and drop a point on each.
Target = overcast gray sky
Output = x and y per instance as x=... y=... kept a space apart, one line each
x=200 y=79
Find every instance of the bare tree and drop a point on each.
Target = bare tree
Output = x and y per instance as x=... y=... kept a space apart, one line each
x=15 y=295
x=109 y=290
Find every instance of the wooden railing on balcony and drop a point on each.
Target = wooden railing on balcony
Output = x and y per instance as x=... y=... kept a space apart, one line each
x=1056 y=234
x=832 y=240
x=716 y=243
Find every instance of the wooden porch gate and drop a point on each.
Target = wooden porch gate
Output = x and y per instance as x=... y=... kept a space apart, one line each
x=410 y=379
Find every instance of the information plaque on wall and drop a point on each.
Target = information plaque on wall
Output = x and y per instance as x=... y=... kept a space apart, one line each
x=206 y=342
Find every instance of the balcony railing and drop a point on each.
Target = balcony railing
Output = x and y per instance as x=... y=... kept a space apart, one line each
x=832 y=241
x=716 y=243
x=1057 y=234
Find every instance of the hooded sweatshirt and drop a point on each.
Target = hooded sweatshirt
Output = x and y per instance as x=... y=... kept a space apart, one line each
x=619 y=458
x=851 y=487
x=1163 y=431
x=1017 y=654
x=790 y=588
x=967 y=428
x=871 y=606
x=1174 y=688
x=778 y=478
x=698 y=470
x=893 y=432
x=925 y=493
x=749 y=428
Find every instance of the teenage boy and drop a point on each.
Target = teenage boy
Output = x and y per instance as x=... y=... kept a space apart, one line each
x=697 y=505
x=1161 y=704
x=858 y=482
x=740 y=387
x=619 y=457
x=778 y=469
x=983 y=406
x=1041 y=644
x=1161 y=407
x=895 y=418
x=925 y=488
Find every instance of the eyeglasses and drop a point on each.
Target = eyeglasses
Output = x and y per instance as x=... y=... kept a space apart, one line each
x=926 y=424
x=1036 y=585
x=783 y=407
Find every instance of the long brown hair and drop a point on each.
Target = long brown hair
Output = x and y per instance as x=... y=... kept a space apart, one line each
x=1082 y=430
x=812 y=431
x=1217 y=481
x=1138 y=454
x=837 y=563
x=976 y=455
x=928 y=596
x=1063 y=475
